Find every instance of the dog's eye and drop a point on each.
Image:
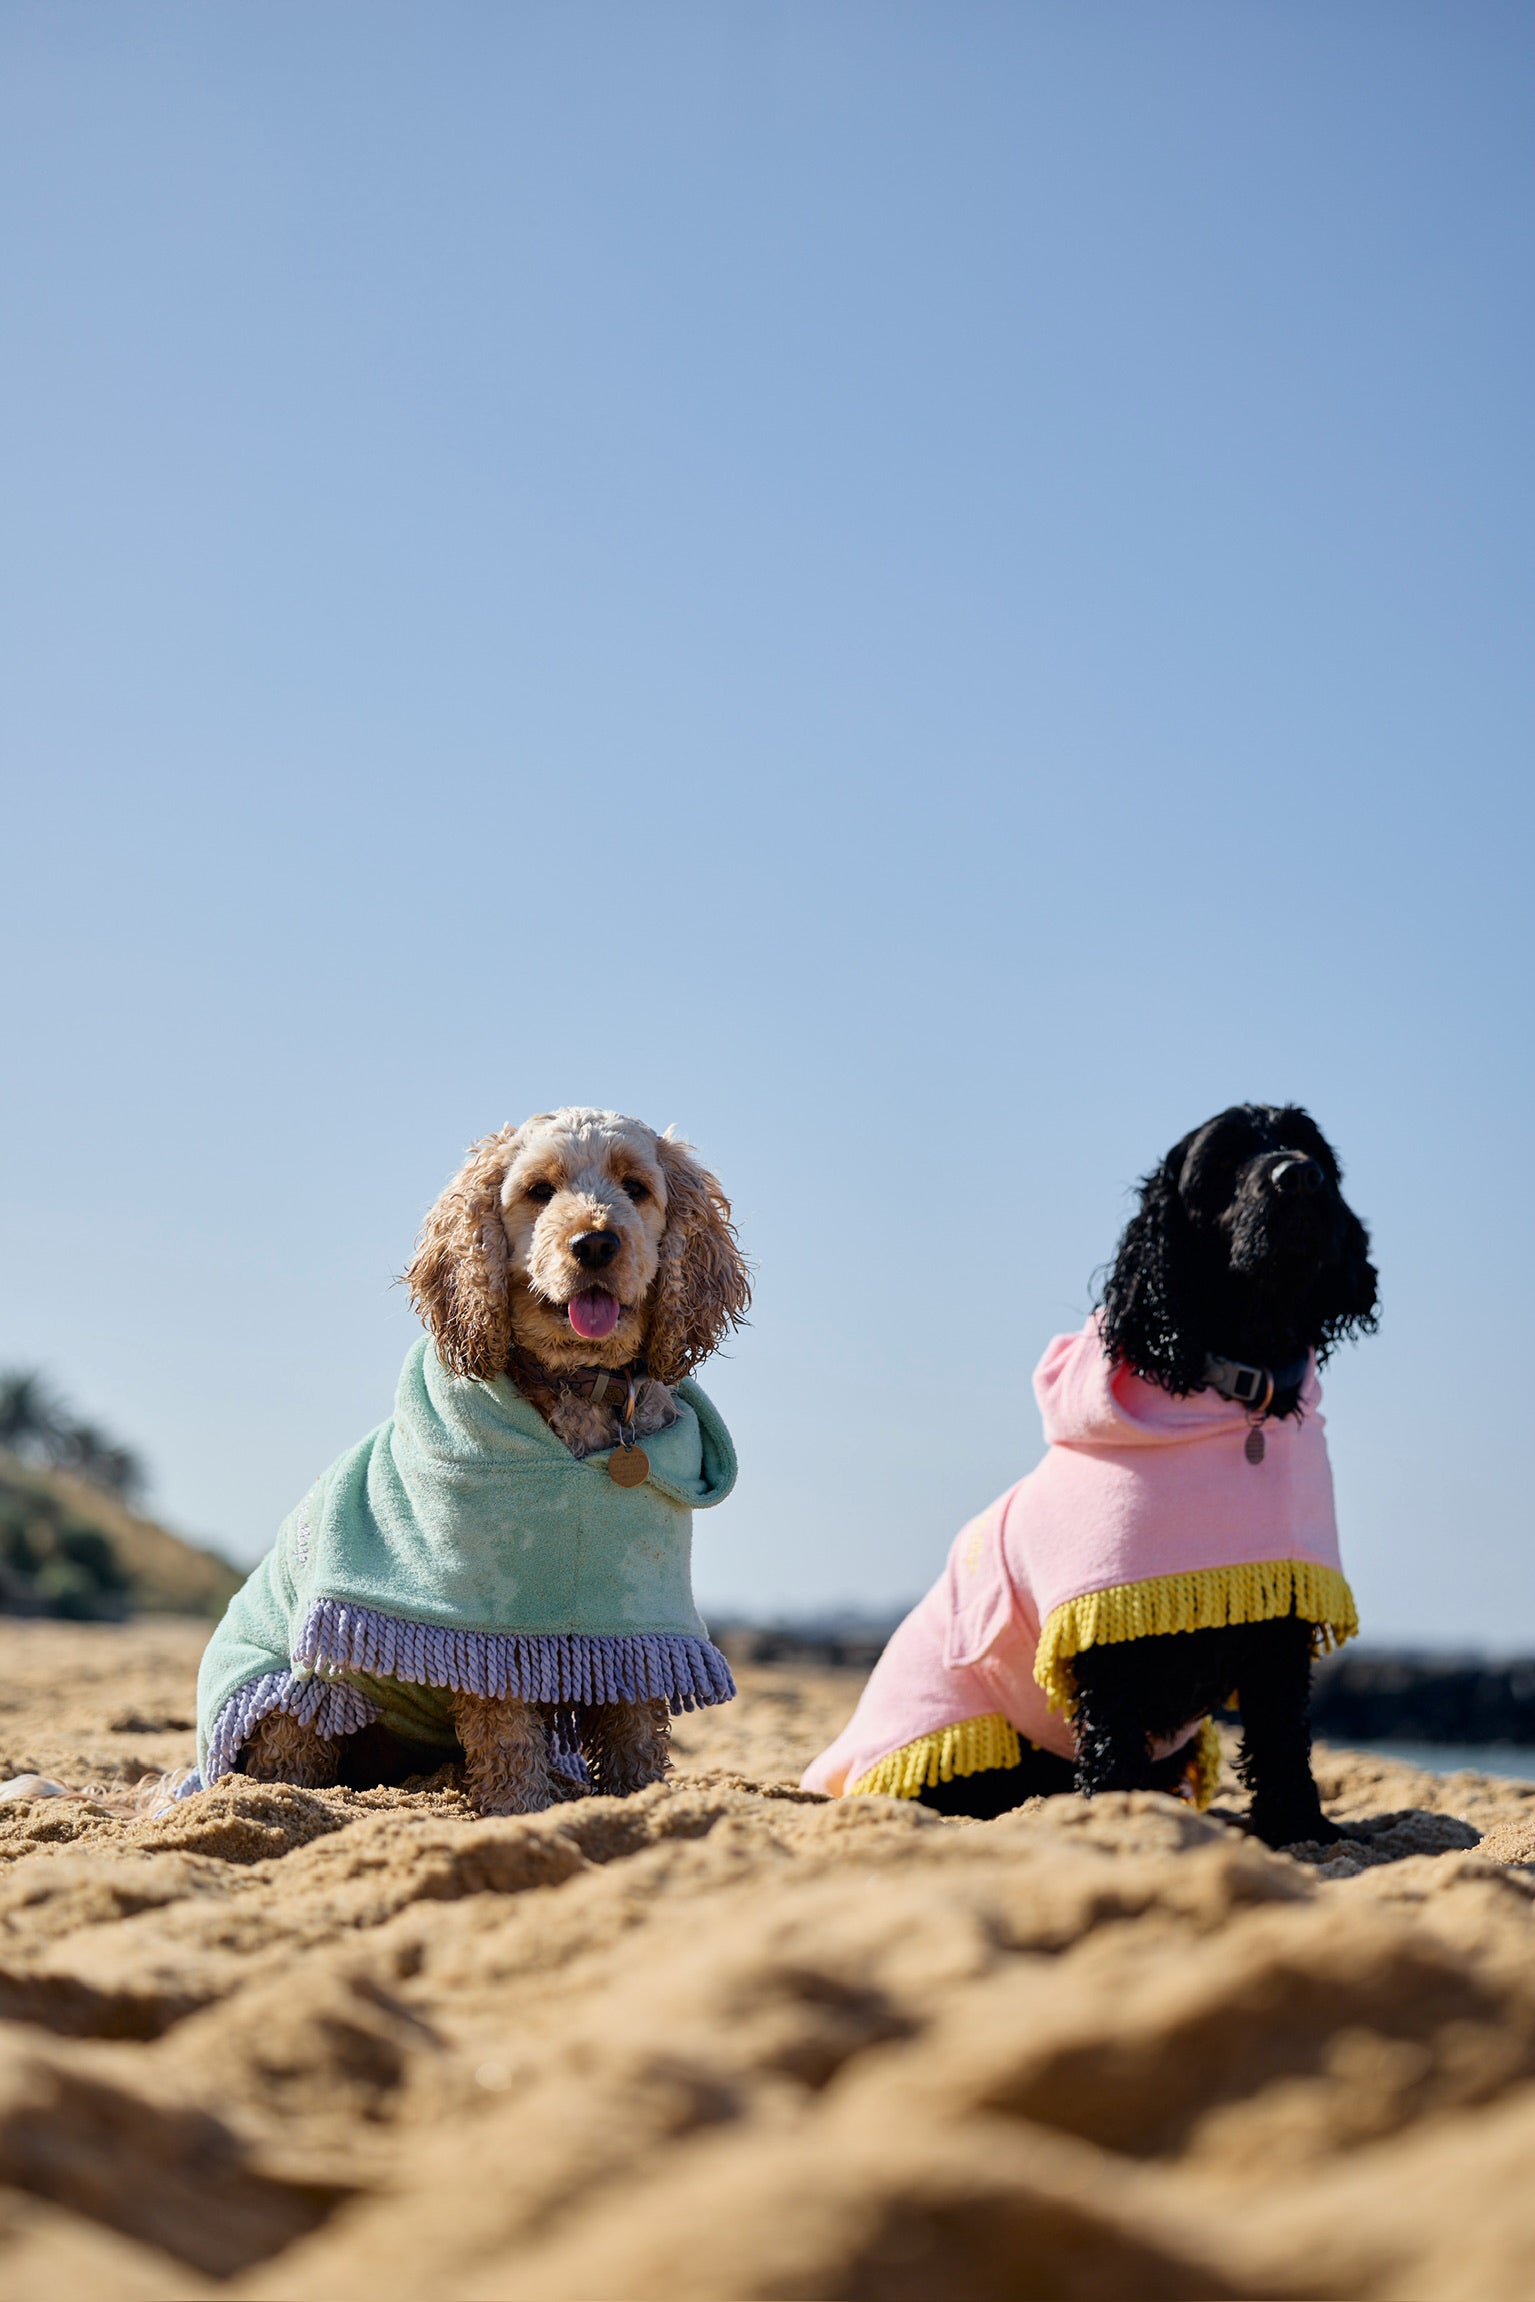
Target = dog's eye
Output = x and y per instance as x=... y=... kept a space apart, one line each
x=542 y=1192
x=637 y=1190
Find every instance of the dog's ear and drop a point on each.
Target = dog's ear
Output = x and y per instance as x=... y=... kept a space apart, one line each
x=459 y=1276
x=702 y=1288
x=1149 y=1300
x=1345 y=1303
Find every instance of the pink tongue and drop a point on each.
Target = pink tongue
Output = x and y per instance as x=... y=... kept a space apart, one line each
x=594 y=1315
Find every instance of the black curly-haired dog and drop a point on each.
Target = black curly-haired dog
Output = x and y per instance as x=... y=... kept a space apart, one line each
x=1243 y=1248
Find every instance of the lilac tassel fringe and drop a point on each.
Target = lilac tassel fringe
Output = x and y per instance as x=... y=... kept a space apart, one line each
x=331 y=1710
x=560 y=1669
x=565 y=1752
x=553 y=1668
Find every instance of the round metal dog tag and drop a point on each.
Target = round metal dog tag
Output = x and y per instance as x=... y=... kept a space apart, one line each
x=1255 y=1445
x=628 y=1466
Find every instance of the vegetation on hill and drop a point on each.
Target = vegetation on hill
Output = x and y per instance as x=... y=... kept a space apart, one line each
x=70 y=1543
x=36 y=1425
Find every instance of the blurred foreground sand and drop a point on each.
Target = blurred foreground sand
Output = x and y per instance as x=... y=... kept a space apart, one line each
x=725 y=2041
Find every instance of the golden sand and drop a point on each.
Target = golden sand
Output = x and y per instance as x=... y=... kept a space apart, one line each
x=723 y=2040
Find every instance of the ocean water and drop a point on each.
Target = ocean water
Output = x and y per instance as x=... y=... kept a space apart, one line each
x=1451 y=1757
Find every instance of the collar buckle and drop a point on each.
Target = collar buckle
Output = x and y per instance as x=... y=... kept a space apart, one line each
x=1250 y=1387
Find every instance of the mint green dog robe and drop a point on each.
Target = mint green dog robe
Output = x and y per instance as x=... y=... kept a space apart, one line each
x=461 y=1547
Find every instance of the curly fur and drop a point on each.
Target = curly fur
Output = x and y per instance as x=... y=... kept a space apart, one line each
x=1242 y=1247
x=499 y=1260
x=459 y=1277
x=506 y=1753
x=1216 y=1259
x=586 y=1429
x=284 y=1749
x=702 y=1289
x=495 y=1263
x=1152 y=1687
x=626 y=1745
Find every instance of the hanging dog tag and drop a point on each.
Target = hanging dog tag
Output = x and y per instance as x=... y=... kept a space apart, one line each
x=628 y=1466
x=1255 y=1446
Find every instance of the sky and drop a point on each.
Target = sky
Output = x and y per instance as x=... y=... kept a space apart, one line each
x=930 y=593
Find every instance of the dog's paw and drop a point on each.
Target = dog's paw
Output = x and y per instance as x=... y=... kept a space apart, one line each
x=1282 y=1828
x=283 y=1749
x=505 y=1802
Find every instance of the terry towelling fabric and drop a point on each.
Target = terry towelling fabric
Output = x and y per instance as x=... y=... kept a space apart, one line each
x=462 y=1546
x=1145 y=1516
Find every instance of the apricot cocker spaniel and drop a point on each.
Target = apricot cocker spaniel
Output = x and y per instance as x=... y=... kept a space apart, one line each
x=501 y=1572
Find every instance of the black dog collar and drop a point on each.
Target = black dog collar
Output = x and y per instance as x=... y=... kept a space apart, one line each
x=1253 y=1387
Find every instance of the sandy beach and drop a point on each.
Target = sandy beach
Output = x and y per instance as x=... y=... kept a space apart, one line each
x=723 y=2040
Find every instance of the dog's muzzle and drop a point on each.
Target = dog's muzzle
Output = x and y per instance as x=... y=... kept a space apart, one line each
x=595 y=1250
x=1296 y=1176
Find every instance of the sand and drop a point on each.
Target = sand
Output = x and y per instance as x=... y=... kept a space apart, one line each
x=723 y=2040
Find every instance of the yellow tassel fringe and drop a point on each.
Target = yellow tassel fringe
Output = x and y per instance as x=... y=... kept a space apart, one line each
x=976 y=1744
x=1206 y=1599
x=1203 y=1773
x=968 y=1748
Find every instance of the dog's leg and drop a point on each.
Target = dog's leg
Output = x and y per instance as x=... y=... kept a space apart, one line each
x=1113 y=1743
x=995 y=1790
x=627 y=1745
x=282 y=1749
x=506 y=1745
x=1274 y=1695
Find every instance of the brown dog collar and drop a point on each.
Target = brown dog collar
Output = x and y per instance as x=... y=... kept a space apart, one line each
x=613 y=1387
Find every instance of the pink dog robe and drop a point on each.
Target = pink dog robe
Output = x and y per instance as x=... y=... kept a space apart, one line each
x=1144 y=1516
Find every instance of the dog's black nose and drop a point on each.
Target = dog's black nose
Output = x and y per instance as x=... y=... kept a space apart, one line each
x=1296 y=1174
x=595 y=1250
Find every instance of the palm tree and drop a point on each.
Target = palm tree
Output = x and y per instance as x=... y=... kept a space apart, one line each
x=35 y=1425
x=31 y=1418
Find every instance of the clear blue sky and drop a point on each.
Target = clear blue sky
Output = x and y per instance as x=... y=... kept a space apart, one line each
x=930 y=592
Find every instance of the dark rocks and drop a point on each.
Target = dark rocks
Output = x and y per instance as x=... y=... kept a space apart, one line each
x=1361 y=1696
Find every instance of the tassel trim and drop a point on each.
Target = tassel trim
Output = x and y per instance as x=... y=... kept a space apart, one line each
x=975 y=1745
x=331 y=1710
x=1208 y=1598
x=970 y=1747
x=555 y=1667
x=1203 y=1772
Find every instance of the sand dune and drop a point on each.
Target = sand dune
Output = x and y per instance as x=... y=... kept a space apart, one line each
x=725 y=2041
